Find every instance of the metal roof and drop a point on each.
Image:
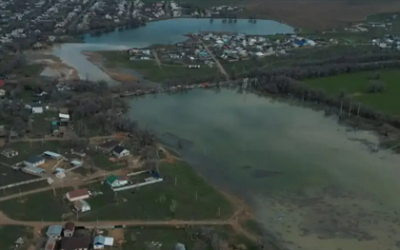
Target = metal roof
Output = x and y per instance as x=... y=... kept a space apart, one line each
x=52 y=154
x=101 y=240
x=54 y=230
x=34 y=169
x=34 y=159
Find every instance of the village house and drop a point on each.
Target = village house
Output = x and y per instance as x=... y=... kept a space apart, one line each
x=34 y=161
x=75 y=243
x=108 y=146
x=79 y=194
x=69 y=229
x=116 y=181
x=82 y=206
x=101 y=241
x=54 y=231
x=120 y=152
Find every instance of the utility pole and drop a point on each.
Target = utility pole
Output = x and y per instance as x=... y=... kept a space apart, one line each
x=341 y=108
x=219 y=211
x=176 y=180
x=349 y=110
x=358 y=110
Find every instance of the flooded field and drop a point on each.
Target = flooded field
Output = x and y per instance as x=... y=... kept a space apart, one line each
x=313 y=184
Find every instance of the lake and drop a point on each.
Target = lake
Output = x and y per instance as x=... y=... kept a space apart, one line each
x=312 y=182
x=159 y=32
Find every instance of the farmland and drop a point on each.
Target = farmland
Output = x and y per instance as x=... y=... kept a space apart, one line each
x=355 y=86
x=9 y=234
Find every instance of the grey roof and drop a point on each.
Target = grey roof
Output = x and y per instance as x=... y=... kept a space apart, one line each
x=34 y=159
x=54 y=230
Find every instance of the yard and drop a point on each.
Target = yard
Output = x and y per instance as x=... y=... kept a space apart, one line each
x=160 y=201
x=40 y=206
x=355 y=85
x=28 y=149
x=9 y=234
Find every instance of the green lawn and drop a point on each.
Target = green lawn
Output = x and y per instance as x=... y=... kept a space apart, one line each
x=103 y=161
x=9 y=234
x=355 y=85
x=40 y=206
x=153 y=202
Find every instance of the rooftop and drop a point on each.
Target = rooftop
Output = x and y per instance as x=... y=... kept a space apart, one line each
x=34 y=159
x=78 y=193
x=74 y=243
x=54 y=230
x=118 y=149
x=69 y=226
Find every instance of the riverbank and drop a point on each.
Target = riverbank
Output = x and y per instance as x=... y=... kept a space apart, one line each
x=115 y=74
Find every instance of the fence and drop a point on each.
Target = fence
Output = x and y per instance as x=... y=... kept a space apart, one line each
x=22 y=183
x=138 y=185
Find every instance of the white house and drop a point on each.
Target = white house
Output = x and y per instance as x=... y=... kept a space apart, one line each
x=119 y=151
x=82 y=206
x=116 y=181
x=100 y=242
x=34 y=161
x=37 y=110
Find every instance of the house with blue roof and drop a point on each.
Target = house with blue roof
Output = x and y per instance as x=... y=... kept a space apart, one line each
x=54 y=231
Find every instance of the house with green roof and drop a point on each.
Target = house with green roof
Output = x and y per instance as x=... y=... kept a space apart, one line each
x=116 y=181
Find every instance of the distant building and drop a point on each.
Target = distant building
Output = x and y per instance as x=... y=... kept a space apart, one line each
x=75 y=243
x=116 y=181
x=34 y=161
x=9 y=153
x=69 y=229
x=37 y=110
x=54 y=231
x=82 y=206
x=108 y=146
x=100 y=242
x=52 y=155
x=76 y=195
x=120 y=152
x=33 y=170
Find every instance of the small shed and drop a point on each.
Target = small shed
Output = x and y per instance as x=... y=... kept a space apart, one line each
x=82 y=206
x=52 y=155
x=50 y=244
x=37 y=110
x=79 y=194
x=101 y=241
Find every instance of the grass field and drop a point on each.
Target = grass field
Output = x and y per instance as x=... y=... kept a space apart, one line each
x=9 y=234
x=153 y=202
x=355 y=86
x=151 y=71
x=41 y=206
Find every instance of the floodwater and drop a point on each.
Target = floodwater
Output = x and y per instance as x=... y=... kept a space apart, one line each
x=312 y=183
x=159 y=32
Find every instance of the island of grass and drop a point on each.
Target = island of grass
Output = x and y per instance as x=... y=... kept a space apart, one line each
x=183 y=195
x=150 y=70
x=357 y=86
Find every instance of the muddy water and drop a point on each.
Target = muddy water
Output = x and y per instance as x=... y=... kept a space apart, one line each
x=312 y=183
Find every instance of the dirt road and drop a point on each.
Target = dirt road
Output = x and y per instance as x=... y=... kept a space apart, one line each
x=219 y=65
